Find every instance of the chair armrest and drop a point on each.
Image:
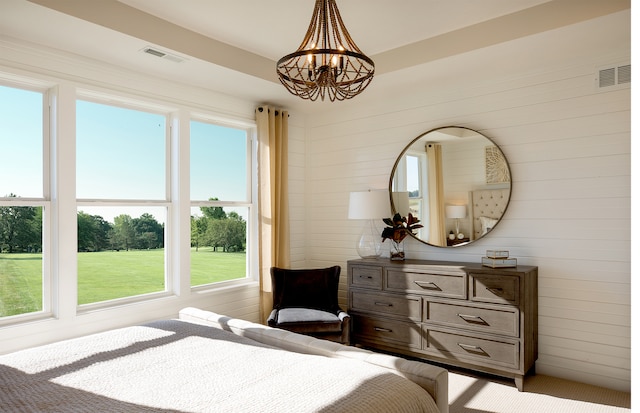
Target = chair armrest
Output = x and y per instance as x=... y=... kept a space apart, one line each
x=271 y=320
x=342 y=315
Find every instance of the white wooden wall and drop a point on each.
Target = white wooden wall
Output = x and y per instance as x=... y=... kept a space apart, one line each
x=568 y=146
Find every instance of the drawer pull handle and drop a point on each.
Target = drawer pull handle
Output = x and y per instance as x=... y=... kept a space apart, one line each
x=384 y=330
x=473 y=349
x=428 y=285
x=365 y=276
x=384 y=304
x=496 y=291
x=473 y=319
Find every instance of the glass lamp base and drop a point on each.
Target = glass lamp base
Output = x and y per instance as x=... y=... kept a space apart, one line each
x=369 y=244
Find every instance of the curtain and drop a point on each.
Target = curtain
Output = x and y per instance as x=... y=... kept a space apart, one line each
x=437 y=234
x=273 y=202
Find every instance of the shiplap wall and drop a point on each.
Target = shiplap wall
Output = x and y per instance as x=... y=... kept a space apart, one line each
x=568 y=146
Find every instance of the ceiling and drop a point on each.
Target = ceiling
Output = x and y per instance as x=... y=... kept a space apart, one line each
x=231 y=46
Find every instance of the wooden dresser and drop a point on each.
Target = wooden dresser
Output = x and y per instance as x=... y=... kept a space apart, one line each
x=455 y=313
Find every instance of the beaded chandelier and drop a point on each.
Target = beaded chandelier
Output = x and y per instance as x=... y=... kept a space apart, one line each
x=327 y=62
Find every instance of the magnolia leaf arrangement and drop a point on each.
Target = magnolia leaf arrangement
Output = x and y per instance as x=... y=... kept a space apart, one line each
x=399 y=227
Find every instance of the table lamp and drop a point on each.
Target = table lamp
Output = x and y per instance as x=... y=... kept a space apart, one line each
x=456 y=212
x=371 y=206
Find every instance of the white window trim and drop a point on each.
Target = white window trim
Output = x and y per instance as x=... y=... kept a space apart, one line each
x=59 y=229
x=252 y=195
x=47 y=311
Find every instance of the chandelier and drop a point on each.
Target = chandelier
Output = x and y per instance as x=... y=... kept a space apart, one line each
x=327 y=62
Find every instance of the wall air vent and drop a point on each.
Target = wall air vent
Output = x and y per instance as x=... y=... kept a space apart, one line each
x=163 y=55
x=613 y=77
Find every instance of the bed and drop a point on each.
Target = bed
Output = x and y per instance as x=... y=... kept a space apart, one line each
x=487 y=207
x=206 y=362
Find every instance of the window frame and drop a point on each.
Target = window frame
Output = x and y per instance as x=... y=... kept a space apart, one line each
x=251 y=198
x=60 y=202
x=400 y=184
x=123 y=102
x=44 y=202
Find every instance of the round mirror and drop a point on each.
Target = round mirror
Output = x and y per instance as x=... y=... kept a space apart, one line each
x=456 y=181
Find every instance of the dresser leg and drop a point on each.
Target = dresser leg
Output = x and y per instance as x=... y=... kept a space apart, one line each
x=519 y=382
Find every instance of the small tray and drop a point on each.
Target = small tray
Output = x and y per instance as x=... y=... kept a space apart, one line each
x=499 y=262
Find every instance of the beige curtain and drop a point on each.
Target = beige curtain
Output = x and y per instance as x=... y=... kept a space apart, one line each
x=437 y=234
x=273 y=202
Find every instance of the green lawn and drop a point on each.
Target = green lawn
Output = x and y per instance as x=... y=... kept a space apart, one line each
x=108 y=275
x=20 y=283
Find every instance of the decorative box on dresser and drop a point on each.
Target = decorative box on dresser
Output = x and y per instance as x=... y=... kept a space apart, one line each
x=461 y=314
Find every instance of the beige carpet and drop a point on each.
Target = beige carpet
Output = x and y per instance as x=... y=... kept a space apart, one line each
x=477 y=394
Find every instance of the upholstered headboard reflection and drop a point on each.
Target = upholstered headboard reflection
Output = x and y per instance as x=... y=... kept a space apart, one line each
x=487 y=207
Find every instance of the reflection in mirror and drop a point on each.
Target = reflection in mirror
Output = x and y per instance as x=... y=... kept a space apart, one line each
x=456 y=181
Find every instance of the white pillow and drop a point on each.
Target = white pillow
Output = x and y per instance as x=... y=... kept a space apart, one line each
x=486 y=224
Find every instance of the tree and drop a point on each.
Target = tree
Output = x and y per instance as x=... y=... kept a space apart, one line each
x=18 y=228
x=149 y=233
x=86 y=231
x=198 y=230
x=228 y=233
x=123 y=232
x=214 y=237
x=237 y=232
x=215 y=228
x=93 y=232
x=213 y=212
x=36 y=228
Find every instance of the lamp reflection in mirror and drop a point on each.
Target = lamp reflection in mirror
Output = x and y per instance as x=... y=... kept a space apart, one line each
x=456 y=212
x=371 y=206
x=400 y=203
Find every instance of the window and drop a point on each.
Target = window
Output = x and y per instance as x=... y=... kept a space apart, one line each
x=24 y=279
x=127 y=202
x=411 y=177
x=220 y=181
x=122 y=190
x=414 y=184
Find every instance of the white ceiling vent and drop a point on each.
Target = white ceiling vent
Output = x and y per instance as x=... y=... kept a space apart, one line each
x=613 y=77
x=163 y=55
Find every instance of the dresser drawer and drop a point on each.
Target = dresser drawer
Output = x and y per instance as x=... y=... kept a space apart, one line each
x=494 y=288
x=460 y=346
x=392 y=332
x=366 y=277
x=389 y=304
x=440 y=283
x=495 y=320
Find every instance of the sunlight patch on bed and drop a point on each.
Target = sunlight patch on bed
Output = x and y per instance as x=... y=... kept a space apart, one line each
x=67 y=352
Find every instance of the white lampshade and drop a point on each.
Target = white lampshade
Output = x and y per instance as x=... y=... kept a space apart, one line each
x=369 y=205
x=456 y=211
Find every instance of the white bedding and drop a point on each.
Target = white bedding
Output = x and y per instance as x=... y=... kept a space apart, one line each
x=178 y=366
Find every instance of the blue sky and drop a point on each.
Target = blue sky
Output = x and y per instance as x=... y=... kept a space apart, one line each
x=120 y=153
x=20 y=143
x=218 y=162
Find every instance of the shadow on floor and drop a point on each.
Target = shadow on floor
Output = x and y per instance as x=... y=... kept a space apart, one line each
x=490 y=394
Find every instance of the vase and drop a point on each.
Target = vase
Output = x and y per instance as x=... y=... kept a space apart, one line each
x=396 y=251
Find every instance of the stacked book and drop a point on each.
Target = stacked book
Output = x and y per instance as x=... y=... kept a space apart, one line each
x=498 y=259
